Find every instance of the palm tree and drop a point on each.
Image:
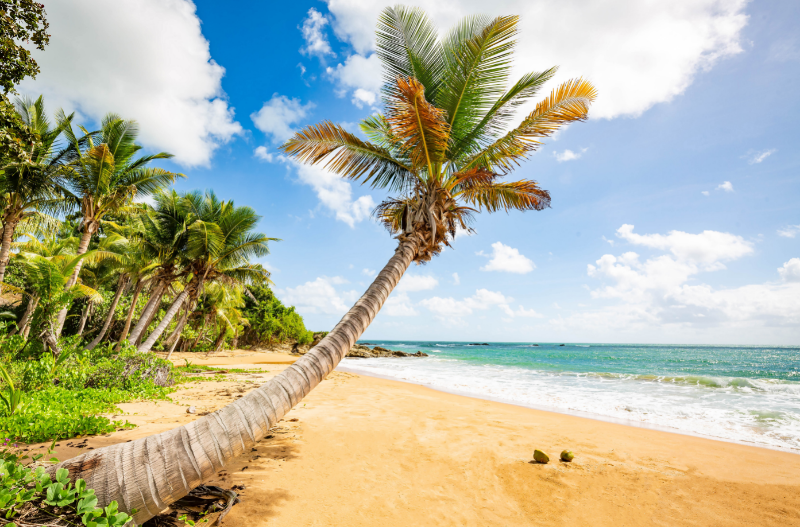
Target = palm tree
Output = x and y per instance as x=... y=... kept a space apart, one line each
x=103 y=176
x=443 y=146
x=219 y=244
x=30 y=190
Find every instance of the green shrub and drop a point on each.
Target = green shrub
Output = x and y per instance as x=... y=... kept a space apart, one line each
x=270 y=321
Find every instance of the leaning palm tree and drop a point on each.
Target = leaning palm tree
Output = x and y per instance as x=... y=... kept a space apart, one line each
x=30 y=190
x=442 y=146
x=104 y=175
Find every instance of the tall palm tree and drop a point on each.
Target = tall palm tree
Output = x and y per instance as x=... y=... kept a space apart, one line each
x=443 y=146
x=220 y=242
x=31 y=190
x=104 y=176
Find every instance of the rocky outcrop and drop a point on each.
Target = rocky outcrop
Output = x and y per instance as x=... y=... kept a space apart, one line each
x=360 y=351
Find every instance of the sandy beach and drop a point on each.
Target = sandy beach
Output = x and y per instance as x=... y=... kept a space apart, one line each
x=362 y=451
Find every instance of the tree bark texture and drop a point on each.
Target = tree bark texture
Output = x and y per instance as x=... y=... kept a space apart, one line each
x=9 y=224
x=147 y=314
x=24 y=324
x=176 y=333
x=149 y=474
x=110 y=315
x=84 y=316
x=124 y=334
x=86 y=237
x=177 y=304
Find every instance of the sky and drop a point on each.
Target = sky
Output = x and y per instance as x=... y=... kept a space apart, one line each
x=674 y=217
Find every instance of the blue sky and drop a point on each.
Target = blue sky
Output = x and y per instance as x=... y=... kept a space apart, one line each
x=675 y=211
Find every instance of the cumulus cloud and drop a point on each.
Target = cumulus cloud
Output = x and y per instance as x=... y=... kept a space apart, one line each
x=263 y=154
x=360 y=75
x=334 y=193
x=726 y=186
x=483 y=299
x=790 y=231
x=456 y=279
x=279 y=116
x=417 y=282
x=399 y=305
x=758 y=157
x=508 y=260
x=663 y=293
x=705 y=193
x=790 y=272
x=313 y=30
x=369 y=272
x=638 y=54
x=708 y=249
x=153 y=66
x=569 y=155
x=319 y=296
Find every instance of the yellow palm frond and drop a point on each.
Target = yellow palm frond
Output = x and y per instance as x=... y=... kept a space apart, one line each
x=518 y=195
x=420 y=126
x=345 y=154
x=566 y=104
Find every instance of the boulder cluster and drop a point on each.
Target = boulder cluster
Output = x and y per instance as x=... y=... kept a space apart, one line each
x=360 y=351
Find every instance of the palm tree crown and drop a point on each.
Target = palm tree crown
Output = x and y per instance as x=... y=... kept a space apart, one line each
x=444 y=143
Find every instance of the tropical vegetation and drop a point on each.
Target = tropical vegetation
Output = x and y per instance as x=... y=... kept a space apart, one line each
x=95 y=278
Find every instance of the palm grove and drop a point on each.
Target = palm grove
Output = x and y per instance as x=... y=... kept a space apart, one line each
x=442 y=147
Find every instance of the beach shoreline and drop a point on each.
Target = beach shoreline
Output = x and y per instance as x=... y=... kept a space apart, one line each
x=364 y=451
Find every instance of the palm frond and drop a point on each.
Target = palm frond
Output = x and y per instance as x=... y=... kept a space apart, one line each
x=494 y=196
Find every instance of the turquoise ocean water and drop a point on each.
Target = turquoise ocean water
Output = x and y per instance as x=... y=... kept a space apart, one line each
x=749 y=394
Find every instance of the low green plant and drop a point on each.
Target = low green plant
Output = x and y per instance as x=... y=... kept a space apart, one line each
x=12 y=397
x=30 y=496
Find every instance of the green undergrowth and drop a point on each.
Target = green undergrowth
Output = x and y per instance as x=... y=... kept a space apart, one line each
x=31 y=496
x=45 y=398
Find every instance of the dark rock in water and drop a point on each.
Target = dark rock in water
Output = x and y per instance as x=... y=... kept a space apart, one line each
x=567 y=456
x=540 y=457
x=419 y=354
x=360 y=351
x=479 y=344
x=562 y=344
x=378 y=349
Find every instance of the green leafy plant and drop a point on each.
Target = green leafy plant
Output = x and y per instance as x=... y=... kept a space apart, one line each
x=12 y=397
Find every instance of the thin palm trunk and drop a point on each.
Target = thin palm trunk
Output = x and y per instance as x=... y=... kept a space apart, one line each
x=123 y=336
x=171 y=312
x=110 y=315
x=153 y=313
x=9 y=224
x=148 y=313
x=86 y=237
x=176 y=333
x=84 y=317
x=24 y=324
x=220 y=339
x=149 y=474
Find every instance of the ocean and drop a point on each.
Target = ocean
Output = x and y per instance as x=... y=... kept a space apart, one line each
x=748 y=394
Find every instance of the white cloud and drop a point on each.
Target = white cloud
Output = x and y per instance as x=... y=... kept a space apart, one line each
x=708 y=249
x=758 y=157
x=335 y=193
x=637 y=53
x=662 y=294
x=399 y=305
x=790 y=231
x=363 y=97
x=153 y=65
x=362 y=75
x=509 y=260
x=790 y=272
x=727 y=186
x=456 y=279
x=483 y=299
x=569 y=155
x=313 y=30
x=705 y=193
x=413 y=282
x=369 y=272
x=279 y=115
x=263 y=154
x=318 y=296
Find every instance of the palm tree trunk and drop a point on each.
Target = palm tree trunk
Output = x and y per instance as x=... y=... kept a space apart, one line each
x=163 y=468
x=176 y=333
x=84 y=317
x=171 y=312
x=110 y=315
x=153 y=313
x=24 y=324
x=86 y=237
x=9 y=224
x=148 y=313
x=220 y=338
x=139 y=286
